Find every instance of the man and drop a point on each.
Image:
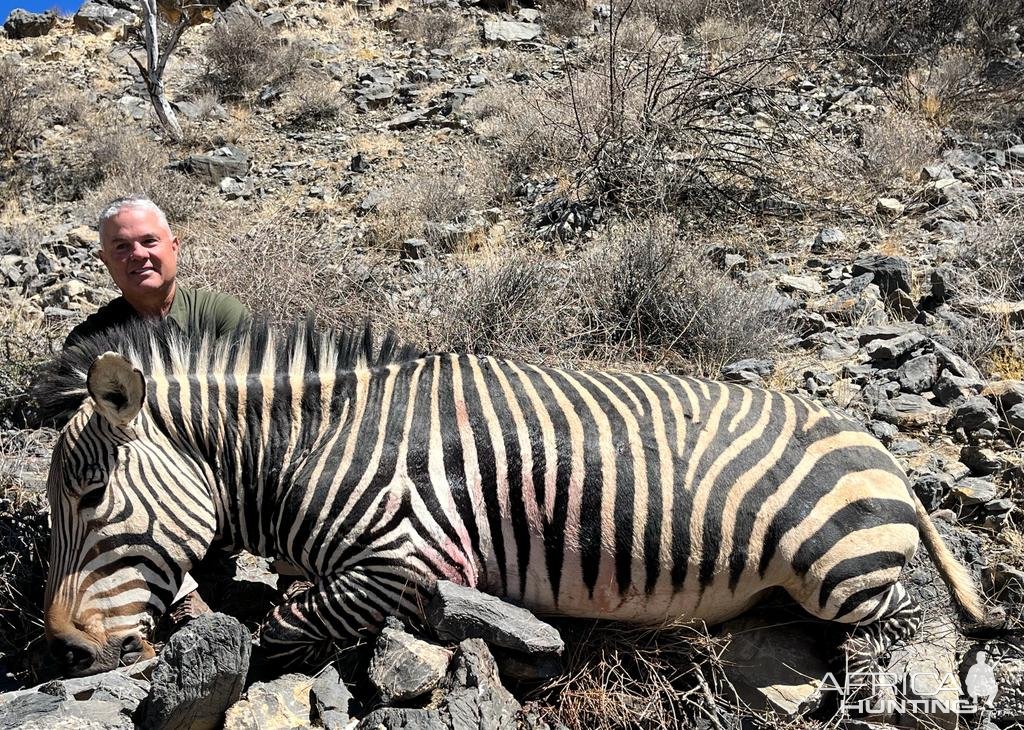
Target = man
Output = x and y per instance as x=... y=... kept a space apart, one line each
x=141 y=254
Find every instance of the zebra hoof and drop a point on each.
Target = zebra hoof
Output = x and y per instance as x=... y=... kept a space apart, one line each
x=192 y=606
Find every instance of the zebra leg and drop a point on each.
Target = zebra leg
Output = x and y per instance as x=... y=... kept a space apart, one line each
x=896 y=617
x=314 y=616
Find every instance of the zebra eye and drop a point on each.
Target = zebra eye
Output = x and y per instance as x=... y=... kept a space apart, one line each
x=91 y=499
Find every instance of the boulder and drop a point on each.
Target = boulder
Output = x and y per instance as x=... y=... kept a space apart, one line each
x=226 y=161
x=1005 y=393
x=951 y=389
x=918 y=374
x=23 y=24
x=888 y=272
x=827 y=239
x=100 y=19
x=510 y=31
x=199 y=675
x=974 y=491
x=910 y=410
x=889 y=208
x=895 y=349
x=330 y=700
x=473 y=699
x=403 y=667
x=774 y=667
x=457 y=613
x=975 y=414
x=281 y=704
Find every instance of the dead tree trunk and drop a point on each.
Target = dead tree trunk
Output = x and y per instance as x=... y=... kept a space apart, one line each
x=156 y=61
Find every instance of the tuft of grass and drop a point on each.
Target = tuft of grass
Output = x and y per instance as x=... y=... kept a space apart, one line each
x=314 y=103
x=897 y=146
x=618 y=676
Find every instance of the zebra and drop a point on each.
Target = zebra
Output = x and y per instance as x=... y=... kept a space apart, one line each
x=376 y=472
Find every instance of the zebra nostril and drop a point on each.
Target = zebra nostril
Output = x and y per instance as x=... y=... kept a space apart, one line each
x=132 y=644
x=72 y=653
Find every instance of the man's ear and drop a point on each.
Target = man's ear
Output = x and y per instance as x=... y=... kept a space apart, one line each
x=117 y=388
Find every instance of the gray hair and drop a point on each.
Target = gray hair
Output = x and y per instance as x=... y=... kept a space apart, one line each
x=132 y=202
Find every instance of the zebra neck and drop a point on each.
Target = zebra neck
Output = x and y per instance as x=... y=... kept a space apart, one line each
x=249 y=437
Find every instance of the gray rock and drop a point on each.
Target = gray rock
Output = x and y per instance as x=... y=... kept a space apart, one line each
x=23 y=24
x=980 y=461
x=1005 y=393
x=373 y=199
x=1015 y=155
x=956 y=364
x=457 y=613
x=918 y=374
x=911 y=410
x=510 y=31
x=750 y=371
x=827 y=239
x=950 y=389
x=973 y=491
x=199 y=675
x=895 y=349
x=871 y=333
x=774 y=667
x=113 y=686
x=403 y=667
x=99 y=19
x=1005 y=582
x=975 y=414
x=889 y=208
x=473 y=699
x=890 y=273
x=330 y=700
x=226 y=161
x=1015 y=417
x=27 y=708
x=803 y=284
x=281 y=703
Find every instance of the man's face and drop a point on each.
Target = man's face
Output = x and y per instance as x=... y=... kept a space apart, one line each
x=140 y=253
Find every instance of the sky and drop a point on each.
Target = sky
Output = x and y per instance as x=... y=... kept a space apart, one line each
x=37 y=6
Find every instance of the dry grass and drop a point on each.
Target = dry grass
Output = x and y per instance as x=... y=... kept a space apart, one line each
x=947 y=88
x=314 y=103
x=19 y=122
x=897 y=146
x=282 y=266
x=242 y=55
x=565 y=19
x=646 y=292
x=617 y=676
x=436 y=28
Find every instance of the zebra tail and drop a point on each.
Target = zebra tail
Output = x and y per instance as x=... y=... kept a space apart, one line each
x=955 y=575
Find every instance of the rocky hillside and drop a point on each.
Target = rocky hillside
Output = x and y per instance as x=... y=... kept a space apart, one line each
x=822 y=198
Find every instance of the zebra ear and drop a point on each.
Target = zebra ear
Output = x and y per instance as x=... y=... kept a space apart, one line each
x=117 y=388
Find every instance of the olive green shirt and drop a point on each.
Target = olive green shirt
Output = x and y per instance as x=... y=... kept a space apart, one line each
x=194 y=310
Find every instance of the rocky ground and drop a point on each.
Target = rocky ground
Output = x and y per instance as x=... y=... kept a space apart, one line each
x=799 y=216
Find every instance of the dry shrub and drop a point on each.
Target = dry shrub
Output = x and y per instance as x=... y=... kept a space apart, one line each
x=24 y=555
x=434 y=196
x=723 y=37
x=947 y=88
x=894 y=33
x=647 y=293
x=898 y=145
x=565 y=19
x=281 y=265
x=438 y=28
x=505 y=308
x=620 y=676
x=314 y=103
x=19 y=122
x=120 y=161
x=243 y=55
x=674 y=16
x=525 y=130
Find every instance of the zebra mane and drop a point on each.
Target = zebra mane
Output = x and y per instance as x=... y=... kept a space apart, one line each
x=163 y=346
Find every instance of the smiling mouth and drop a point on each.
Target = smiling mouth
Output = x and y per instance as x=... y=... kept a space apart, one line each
x=140 y=272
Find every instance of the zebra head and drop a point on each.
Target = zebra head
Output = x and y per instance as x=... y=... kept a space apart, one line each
x=123 y=535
